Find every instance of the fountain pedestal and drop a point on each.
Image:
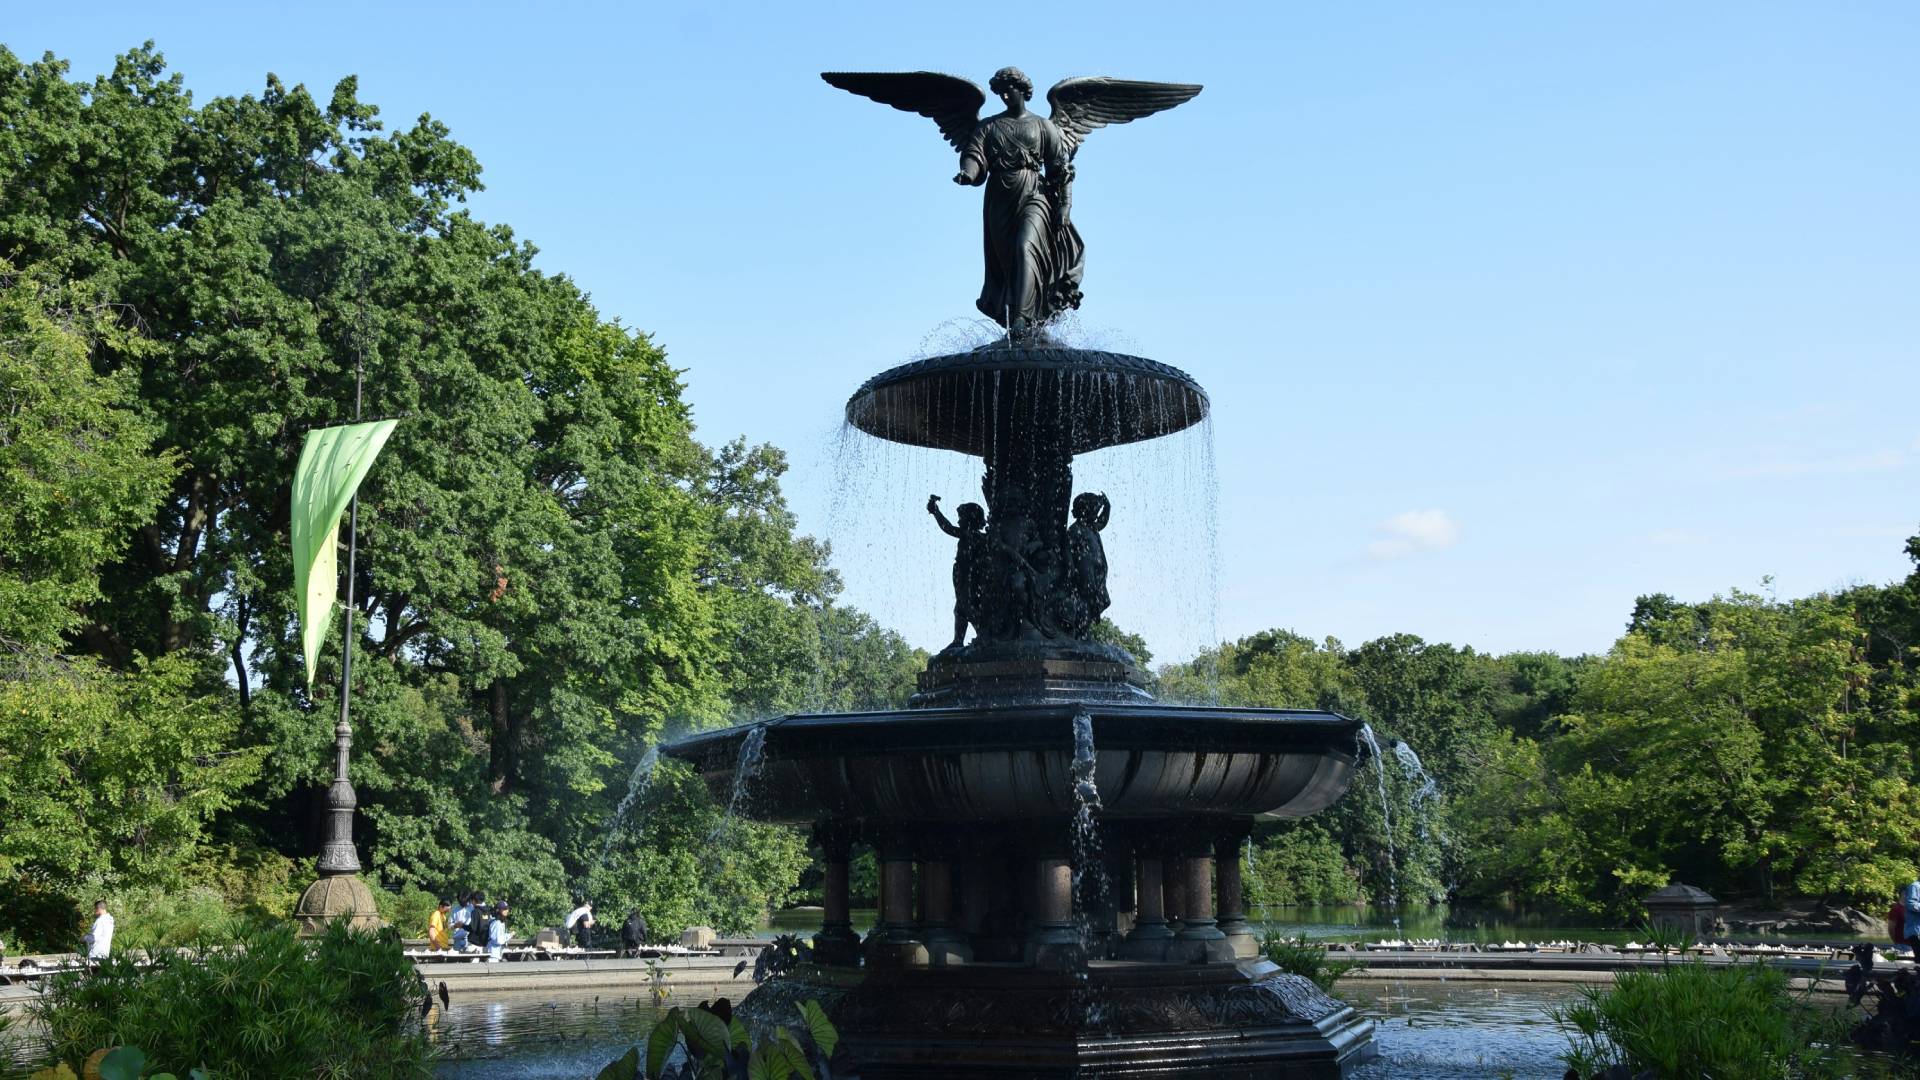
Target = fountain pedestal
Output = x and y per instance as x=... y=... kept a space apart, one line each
x=1034 y=765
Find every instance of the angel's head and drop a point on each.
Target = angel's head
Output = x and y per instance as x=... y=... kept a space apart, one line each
x=1011 y=79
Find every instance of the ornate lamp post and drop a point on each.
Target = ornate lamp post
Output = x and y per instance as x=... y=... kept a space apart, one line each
x=338 y=893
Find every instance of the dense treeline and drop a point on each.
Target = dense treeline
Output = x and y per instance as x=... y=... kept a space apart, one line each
x=1758 y=748
x=554 y=574
x=553 y=571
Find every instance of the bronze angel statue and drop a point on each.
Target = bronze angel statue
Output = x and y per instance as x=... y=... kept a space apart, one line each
x=1033 y=252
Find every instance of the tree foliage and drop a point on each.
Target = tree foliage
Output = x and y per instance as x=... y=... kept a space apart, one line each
x=76 y=471
x=1751 y=746
x=553 y=572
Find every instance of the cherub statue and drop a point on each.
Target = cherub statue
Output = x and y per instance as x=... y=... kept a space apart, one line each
x=1087 y=560
x=1033 y=252
x=969 y=563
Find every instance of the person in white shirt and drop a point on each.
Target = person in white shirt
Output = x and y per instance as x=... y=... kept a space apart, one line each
x=580 y=924
x=99 y=939
x=497 y=935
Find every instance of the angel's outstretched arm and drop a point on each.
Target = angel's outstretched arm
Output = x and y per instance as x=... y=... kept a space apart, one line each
x=973 y=159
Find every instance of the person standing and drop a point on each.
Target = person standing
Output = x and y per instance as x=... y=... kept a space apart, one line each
x=580 y=924
x=439 y=938
x=482 y=930
x=461 y=922
x=1910 y=899
x=497 y=935
x=99 y=938
x=633 y=935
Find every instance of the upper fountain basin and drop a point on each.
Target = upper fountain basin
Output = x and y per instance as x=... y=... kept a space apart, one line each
x=1085 y=399
x=996 y=763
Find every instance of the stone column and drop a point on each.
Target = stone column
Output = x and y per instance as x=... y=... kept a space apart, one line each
x=970 y=896
x=894 y=942
x=1053 y=940
x=1149 y=936
x=836 y=943
x=945 y=944
x=1231 y=895
x=1200 y=940
x=1173 y=883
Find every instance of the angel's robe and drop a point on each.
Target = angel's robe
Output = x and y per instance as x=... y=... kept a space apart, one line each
x=1033 y=253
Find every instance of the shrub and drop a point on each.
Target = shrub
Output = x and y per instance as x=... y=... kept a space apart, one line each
x=1689 y=1019
x=255 y=882
x=407 y=910
x=153 y=919
x=340 y=1005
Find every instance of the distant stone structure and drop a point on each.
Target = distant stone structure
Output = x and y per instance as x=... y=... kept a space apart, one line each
x=1683 y=908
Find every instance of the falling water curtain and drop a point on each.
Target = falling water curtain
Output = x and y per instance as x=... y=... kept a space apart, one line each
x=332 y=464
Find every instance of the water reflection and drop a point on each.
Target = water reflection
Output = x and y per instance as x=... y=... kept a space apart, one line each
x=535 y=1036
x=1438 y=1030
x=1428 y=1030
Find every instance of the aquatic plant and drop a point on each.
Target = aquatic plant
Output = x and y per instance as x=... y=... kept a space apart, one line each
x=116 y=1063
x=710 y=1043
x=1690 y=1019
x=340 y=1004
x=780 y=956
x=1298 y=956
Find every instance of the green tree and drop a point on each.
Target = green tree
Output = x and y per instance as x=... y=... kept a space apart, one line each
x=553 y=573
x=75 y=469
x=108 y=780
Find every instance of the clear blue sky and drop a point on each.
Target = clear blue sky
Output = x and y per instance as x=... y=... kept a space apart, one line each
x=1509 y=312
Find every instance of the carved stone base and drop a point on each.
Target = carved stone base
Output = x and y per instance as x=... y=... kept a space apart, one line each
x=1113 y=1020
x=336 y=897
x=1032 y=672
x=837 y=945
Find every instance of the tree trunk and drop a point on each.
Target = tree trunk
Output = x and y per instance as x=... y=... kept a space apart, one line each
x=503 y=757
x=239 y=648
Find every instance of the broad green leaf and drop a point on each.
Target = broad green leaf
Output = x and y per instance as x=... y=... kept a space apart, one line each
x=739 y=1032
x=768 y=1062
x=819 y=1028
x=623 y=1067
x=660 y=1042
x=123 y=1063
x=709 y=1032
x=796 y=1055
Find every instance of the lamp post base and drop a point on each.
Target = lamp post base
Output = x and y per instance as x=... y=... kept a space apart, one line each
x=336 y=898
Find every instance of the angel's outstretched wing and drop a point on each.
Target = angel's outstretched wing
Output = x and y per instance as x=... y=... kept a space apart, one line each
x=947 y=100
x=1085 y=104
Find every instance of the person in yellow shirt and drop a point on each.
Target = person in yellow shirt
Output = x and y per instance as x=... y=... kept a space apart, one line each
x=438 y=936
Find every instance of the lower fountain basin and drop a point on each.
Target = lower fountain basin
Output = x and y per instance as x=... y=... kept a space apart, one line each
x=1113 y=1021
x=1014 y=762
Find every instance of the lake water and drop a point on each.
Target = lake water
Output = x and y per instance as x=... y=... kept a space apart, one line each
x=1427 y=1030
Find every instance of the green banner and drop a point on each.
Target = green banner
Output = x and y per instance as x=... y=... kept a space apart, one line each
x=332 y=464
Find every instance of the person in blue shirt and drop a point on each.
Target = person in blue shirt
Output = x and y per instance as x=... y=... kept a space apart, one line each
x=1910 y=899
x=462 y=921
x=497 y=935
